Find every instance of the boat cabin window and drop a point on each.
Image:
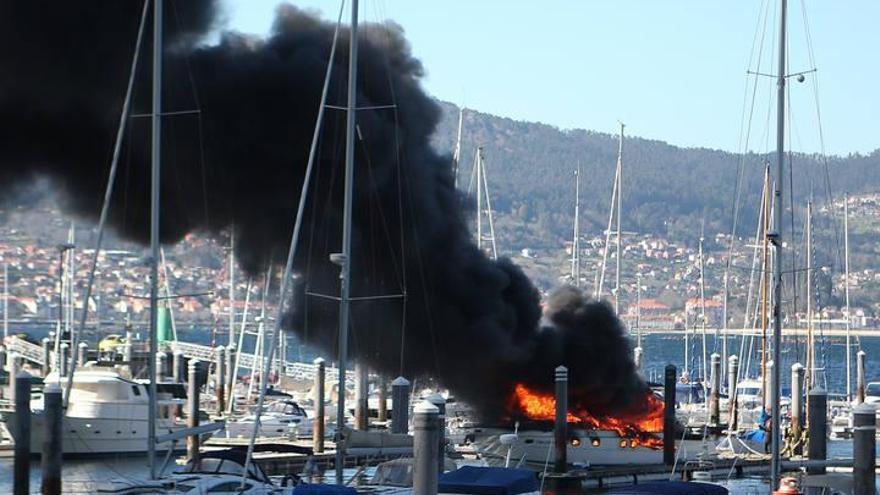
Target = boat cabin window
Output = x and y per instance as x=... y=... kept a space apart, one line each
x=748 y=391
x=102 y=391
x=285 y=408
x=136 y=391
x=873 y=389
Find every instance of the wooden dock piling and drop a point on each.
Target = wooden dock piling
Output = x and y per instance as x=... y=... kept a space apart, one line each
x=318 y=423
x=192 y=413
x=669 y=414
x=818 y=426
x=426 y=426
x=21 y=432
x=560 y=425
x=53 y=416
x=864 y=449
x=400 y=405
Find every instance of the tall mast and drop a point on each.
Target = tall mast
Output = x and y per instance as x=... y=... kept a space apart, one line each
x=724 y=317
x=846 y=295
x=479 y=165
x=345 y=280
x=639 y=309
x=811 y=346
x=575 y=245
x=619 y=195
x=6 y=300
x=456 y=155
x=703 y=313
x=765 y=223
x=155 y=175
x=232 y=286
x=777 y=244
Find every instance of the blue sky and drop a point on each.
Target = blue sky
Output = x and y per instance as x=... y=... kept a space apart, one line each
x=672 y=70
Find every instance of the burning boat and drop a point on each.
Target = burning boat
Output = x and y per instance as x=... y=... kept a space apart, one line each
x=627 y=438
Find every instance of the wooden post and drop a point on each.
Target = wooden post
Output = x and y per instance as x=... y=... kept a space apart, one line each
x=318 y=422
x=220 y=378
x=440 y=403
x=669 y=415
x=818 y=415
x=82 y=354
x=732 y=376
x=860 y=377
x=797 y=405
x=178 y=366
x=161 y=366
x=560 y=426
x=361 y=392
x=231 y=372
x=425 y=449
x=383 y=400
x=192 y=413
x=715 y=391
x=63 y=359
x=14 y=369
x=400 y=405
x=47 y=356
x=21 y=432
x=53 y=416
x=864 y=445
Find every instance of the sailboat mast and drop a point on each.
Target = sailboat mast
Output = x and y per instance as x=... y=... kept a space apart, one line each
x=479 y=165
x=575 y=245
x=811 y=345
x=619 y=196
x=232 y=286
x=155 y=175
x=6 y=300
x=765 y=224
x=846 y=295
x=703 y=314
x=345 y=282
x=456 y=155
x=777 y=244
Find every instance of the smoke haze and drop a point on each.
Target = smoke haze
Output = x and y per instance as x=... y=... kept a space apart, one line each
x=472 y=323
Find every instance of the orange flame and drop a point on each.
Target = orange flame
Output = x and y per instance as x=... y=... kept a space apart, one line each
x=640 y=427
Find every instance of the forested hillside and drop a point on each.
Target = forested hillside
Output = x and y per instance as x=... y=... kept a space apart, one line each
x=666 y=189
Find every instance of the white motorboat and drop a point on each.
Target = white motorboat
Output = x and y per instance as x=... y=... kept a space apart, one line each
x=216 y=472
x=531 y=448
x=279 y=419
x=107 y=414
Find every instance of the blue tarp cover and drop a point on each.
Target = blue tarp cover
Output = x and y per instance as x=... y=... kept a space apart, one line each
x=323 y=489
x=476 y=480
x=670 y=488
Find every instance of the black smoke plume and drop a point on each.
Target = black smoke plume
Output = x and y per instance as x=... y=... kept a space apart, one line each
x=470 y=322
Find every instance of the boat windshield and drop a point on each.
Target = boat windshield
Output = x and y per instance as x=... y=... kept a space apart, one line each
x=393 y=473
x=748 y=391
x=873 y=389
x=286 y=407
x=223 y=465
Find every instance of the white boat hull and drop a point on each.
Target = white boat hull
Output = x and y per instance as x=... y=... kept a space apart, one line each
x=97 y=436
x=533 y=447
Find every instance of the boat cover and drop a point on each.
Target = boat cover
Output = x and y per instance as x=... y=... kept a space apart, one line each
x=323 y=489
x=670 y=488
x=478 y=480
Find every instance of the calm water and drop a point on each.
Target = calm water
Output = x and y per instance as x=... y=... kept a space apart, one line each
x=659 y=350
